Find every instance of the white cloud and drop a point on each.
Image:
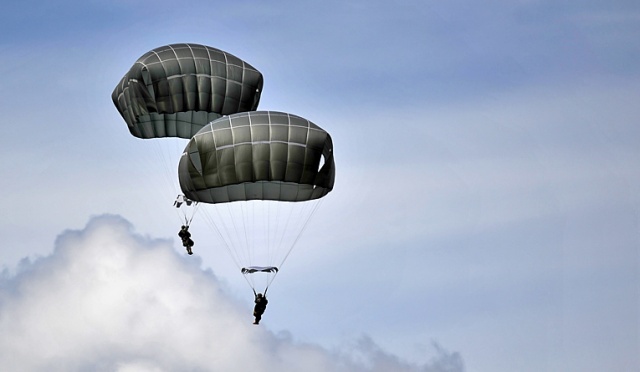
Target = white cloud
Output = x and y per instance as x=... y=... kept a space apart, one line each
x=108 y=299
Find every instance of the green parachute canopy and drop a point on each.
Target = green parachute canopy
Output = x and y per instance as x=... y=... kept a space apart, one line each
x=258 y=155
x=174 y=90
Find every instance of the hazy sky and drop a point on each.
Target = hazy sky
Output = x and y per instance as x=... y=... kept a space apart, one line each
x=485 y=215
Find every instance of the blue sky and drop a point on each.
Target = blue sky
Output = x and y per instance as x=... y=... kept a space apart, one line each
x=485 y=214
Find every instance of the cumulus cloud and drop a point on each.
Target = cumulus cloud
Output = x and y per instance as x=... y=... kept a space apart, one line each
x=108 y=299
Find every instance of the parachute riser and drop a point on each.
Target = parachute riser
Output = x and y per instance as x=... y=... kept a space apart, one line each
x=252 y=273
x=186 y=209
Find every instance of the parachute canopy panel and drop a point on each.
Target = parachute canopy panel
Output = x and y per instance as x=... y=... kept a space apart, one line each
x=174 y=90
x=258 y=155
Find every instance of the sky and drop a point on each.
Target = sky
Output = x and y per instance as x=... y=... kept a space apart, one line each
x=485 y=215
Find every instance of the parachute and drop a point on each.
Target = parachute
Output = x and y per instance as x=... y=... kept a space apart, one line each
x=264 y=172
x=172 y=91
